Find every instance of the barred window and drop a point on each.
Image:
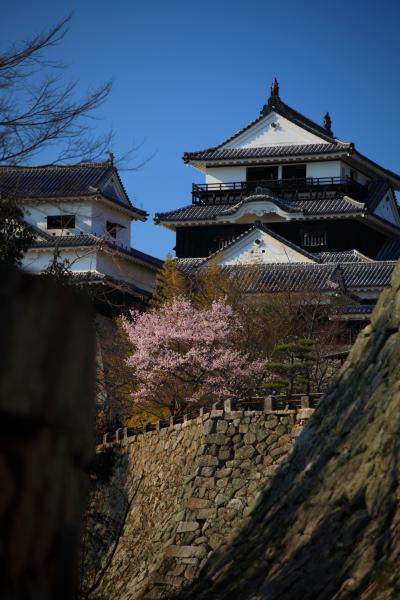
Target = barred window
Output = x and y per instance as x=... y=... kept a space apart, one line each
x=314 y=238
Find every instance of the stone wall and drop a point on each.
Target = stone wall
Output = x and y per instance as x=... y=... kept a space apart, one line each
x=176 y=494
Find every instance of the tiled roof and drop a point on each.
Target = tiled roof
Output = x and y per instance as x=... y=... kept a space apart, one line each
x=94 y=277
x=329 y=206
x=341 y=257
x=389 y=251
x=270 y=152
x=305 y=277
x=75 y=241
x=62 y=181
x=355 y=309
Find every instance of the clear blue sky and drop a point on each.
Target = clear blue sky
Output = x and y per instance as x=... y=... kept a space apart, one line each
x=189 y=74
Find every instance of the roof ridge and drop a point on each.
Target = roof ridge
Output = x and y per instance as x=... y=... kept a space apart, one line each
x=82 y=165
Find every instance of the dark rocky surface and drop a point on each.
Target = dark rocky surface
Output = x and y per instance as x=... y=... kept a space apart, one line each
x=328 y=525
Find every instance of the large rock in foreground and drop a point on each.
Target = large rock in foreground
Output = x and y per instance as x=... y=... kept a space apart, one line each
x=329 y=525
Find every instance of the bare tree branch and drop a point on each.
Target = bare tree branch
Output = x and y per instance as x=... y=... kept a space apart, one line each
x=40 y=113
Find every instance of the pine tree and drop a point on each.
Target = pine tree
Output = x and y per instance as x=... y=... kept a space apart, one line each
x=291 y=373
x=170 y=284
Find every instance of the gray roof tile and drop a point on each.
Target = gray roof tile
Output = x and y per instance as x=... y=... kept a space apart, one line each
x=270 y=152
x=62 y=181
x=329 y=206
x=71 y=241
x=305 y=277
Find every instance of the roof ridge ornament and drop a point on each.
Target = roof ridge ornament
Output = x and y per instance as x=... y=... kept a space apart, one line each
x=327 y=123
x=274 y=99
x=275 y=88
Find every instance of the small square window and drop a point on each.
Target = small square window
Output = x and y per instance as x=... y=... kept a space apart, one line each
x=61 y=222
x=113 y=228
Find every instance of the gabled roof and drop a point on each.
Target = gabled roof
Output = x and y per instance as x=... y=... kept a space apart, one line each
x=276 y=105
x=261 y=227
x=329 y=148
x=66 y=181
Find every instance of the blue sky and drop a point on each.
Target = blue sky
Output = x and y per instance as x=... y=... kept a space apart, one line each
x=187 y=75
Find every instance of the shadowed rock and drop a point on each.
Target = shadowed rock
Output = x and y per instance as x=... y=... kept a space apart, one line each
x=328 y=526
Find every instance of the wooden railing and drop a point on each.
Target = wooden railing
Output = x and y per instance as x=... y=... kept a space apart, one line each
x=230 y=192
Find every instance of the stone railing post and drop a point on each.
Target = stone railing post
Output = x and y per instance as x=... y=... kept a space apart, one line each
x=229 y=404
x=305 y=402
x=158 y=425
x=171 y=421
x=269 y=403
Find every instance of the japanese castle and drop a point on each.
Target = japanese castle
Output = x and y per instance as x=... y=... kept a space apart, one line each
x=286 y=206
x=83 y=213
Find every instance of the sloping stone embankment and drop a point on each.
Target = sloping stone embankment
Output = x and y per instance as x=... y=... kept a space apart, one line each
x=177 y=494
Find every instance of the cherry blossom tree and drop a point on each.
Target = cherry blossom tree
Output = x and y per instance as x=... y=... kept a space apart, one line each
x=185 y=354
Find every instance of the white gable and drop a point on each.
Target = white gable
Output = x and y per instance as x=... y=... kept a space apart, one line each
x=274 y=130
x=387 y=209
x=257 y=248
x=114 y=189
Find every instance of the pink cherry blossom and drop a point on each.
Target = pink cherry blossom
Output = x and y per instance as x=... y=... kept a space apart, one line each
x=186 y=354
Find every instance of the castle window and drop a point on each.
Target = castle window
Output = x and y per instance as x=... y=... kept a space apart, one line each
x=314 y=238
x=61 y=222
x=261 y=173
x=113 y=228
x=294 y=172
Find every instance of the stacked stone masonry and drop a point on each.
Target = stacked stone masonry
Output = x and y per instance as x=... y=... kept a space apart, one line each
x=191 y=486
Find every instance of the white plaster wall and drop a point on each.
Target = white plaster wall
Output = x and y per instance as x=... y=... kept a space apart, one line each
x=265 y=134
x=225 y=174
x=81 y=259
x=125 y=270
x=267 y=251
x=101 y=213
x=324 y=169
x=90 y=218
x=37 y=211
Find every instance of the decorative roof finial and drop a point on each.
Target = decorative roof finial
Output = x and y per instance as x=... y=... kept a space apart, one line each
x=327 y=123
x=110 y=158
x=273 y=100
x=275 y=88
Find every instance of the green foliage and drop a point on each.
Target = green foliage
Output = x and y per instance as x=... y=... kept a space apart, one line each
x=170 y=284
x=15 y=236
x=290 y=373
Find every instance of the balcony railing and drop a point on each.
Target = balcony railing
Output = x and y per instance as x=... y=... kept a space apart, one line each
x=305 y=188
